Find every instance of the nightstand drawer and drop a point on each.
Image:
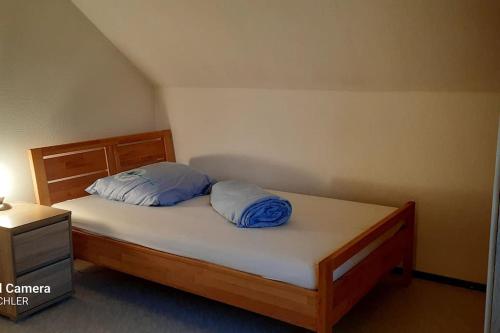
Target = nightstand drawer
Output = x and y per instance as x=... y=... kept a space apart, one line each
x=38 y=247
x=57 y=276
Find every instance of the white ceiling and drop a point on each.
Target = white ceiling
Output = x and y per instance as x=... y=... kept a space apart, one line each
x=445 y=45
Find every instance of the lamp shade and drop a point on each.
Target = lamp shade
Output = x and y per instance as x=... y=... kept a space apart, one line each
x=5 y=181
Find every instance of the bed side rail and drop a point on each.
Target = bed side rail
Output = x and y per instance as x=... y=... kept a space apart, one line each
x=336 y=298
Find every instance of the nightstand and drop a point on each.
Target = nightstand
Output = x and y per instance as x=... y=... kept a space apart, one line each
x=36 y=259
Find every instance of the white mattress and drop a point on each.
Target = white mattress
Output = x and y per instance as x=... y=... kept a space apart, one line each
x=289 y=253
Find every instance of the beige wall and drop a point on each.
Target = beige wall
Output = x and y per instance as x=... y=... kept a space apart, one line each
x=368 y=45
x=61 y=80
x=386 y=148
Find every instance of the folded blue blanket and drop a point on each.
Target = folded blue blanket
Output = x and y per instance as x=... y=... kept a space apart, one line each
x=249 y=206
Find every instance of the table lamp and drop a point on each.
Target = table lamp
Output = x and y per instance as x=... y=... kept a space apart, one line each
x=5 y=184
x=4 y=205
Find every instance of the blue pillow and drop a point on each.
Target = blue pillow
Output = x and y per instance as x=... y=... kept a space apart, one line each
x=159 y=184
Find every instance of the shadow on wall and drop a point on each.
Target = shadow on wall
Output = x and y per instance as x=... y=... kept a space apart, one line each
x=262 y=172
x=444 y=203
x=284 y=177
x=369 y=192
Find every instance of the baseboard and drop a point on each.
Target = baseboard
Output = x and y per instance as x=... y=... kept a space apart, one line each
x=445 y=280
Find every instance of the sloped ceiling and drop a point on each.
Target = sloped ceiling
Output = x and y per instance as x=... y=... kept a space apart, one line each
x=443 y=45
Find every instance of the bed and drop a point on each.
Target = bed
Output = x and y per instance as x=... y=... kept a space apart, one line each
x=309 y=272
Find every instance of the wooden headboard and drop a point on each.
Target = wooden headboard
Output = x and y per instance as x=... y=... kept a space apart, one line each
x=63 y=172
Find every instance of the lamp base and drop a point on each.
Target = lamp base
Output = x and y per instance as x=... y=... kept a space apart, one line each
x=5 y=206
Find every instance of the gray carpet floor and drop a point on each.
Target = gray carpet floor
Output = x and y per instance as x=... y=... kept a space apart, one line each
x=108 y=301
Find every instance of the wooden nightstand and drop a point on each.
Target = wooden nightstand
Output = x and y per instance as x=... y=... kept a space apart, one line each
x=35 y=250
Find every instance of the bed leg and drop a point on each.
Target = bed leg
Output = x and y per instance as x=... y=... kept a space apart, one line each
x=324 y=326
x=324 y=329
x=325 y=298
x=408 y=256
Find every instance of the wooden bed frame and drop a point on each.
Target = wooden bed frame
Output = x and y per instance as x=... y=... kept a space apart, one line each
x=63 y=172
